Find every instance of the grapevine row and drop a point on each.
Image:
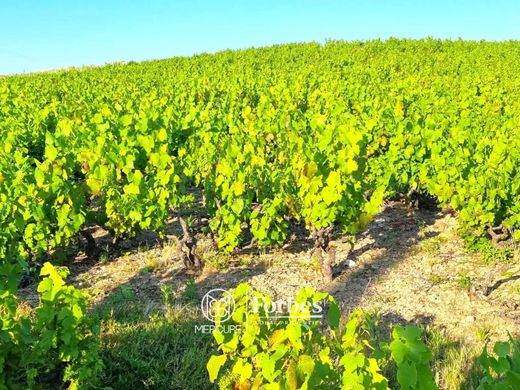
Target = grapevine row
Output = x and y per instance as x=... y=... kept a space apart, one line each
x=310 y=133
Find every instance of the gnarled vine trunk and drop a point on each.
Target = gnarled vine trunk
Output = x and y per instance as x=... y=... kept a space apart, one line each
x=325 y=253
x=91 y=249
x=498 y=234
x=186 y=248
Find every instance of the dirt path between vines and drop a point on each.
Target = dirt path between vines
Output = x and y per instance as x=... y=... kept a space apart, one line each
x=409 y=265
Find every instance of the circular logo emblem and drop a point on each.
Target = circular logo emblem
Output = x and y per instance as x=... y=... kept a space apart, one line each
x=218 y=303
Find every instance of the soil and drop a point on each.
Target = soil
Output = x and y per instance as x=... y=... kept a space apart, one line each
x=409 y=265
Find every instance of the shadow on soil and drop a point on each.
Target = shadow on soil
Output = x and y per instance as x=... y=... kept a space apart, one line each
x=391 y=235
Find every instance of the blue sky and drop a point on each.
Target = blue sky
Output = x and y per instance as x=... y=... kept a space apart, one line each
x=49 y=34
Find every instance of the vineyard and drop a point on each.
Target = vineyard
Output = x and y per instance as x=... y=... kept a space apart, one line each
x=248 y=147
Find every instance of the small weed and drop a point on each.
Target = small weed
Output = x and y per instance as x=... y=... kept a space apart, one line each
x=167 y=295
x=388 y=299
x=190 y=293
x=422 y=225
x=315 y=263
x=152 y=263
x=94 y=292
x=266 y=262
x=104 y=255
x=124 y=293
x=453 y=361
x=483 y=334
x=433 y=245
x=127 y=291
x=489 y=254
x=244 y=261
x=217 y=259
x=464 y=281
x=435 y=279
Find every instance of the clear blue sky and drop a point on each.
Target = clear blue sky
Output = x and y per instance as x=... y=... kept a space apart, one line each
x=49 y=34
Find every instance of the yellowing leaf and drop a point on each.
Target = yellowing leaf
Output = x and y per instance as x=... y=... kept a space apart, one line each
x=215 y=362
x=351 y=166
x=135 y=215
x=131 y=189
x=310 y=169
x=65 y=126
x=126 y=120
x=51 y=152
x=277 y=337
x=239 y=188
x=51 y=285
x=162 y=135
x=334 y=180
